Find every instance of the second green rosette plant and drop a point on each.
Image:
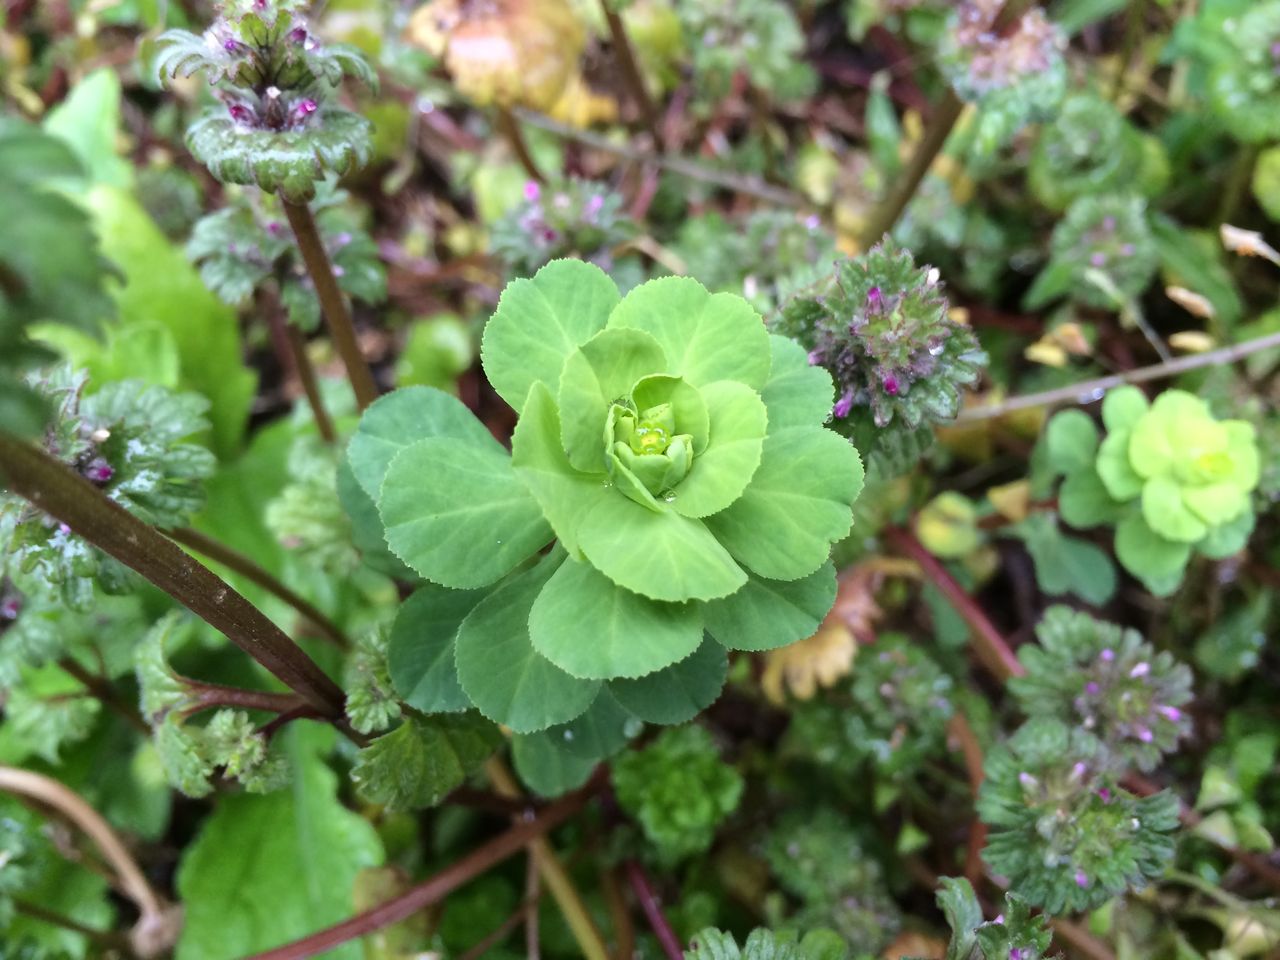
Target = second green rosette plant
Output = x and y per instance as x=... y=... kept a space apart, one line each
x=671 y=448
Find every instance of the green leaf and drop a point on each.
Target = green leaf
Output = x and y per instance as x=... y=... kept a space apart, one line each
x=162 y=288
x=88 y=121
x=964 y=915
x=457 y=514
x=565 y=495
x=679 y=692
x=420 y=654
x=590 y=627
x=1195 y=259
x=706 y=337
x=766 y=614
x=738 y=421
x=509 y=681
x=1157 y=562
x=1114 y=467
x=1166 y=512
x=798 y=503
x=797 y=394
x=600 y=732
x=1227 y=539
x=367 y=533
x=1066 y=564
x=401 y=419
x=266 y=869
x=423 y=760
x=603 y=369
x=546 y=767
x=1071 y=441
x=539 y=322
x=660 y=555
x=1122 y=407
x=1084 y=502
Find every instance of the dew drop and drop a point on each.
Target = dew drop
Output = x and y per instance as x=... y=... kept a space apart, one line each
x=935 y=350
x=568 y=735
x=632 y=727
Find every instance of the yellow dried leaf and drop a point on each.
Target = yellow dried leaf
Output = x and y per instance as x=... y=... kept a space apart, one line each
x=1247 y=243
x=1046 y=352
x=510 y=52
x=948 y=525
x=1011 y=499
x=580 y=106
x=1192 y=341
x=1194 y=303
x=911 y=943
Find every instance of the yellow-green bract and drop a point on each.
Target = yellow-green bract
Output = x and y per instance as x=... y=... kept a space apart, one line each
x=1170 y=476
x=675 y=452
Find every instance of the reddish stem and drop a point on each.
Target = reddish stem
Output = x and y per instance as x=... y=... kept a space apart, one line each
x=437 y=887
x=652 y=908
x=991 y=647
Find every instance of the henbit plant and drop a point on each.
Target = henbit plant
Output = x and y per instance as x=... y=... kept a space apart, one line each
x=674 y=452
x=1168 y=475
x=577 y=218
x=1016 y=75
x=1243 y=79
x=279 y=130
x=881 y=327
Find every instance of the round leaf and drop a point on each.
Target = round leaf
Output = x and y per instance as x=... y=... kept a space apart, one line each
x=1071 y=440
x=706 y=337
x=797 y=504
x=403 y=418
x=1167 y=514
x=546 y=767
x=600 y=732
x=681 y=691
x=539 y=322
x=420 y=649
x=507 y=680
x=767 y=614
x=1084 y=501
x=658 y=554
x=564 y=494
x=590 y=627
x=1123 y=406
x=719 y=474
x=457 y=513
x=1157 y=562
x=797 y=393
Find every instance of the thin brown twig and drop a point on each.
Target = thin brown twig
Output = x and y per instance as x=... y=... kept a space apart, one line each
x=210 y=696
x=962 y=732
x=155 y=930
x=52 y=487
x=234 y=560
x=310 y=383
x=509 y=127
x=333 y=304
x=439 y=886
x=631 y=70
x=737 y=183
x=1093 y=390
x=652 y=908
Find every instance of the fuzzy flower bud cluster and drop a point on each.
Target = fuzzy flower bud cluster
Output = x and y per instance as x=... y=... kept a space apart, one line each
x=881 y=327
x=579 y=218
x=276 y=127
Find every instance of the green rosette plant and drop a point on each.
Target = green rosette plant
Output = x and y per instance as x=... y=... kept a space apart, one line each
x=1171 y=477
x=675 y=453
x=1245 y=78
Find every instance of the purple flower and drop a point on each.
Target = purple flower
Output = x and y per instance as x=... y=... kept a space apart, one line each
x=298 y=35
x=275 y=228
x=1104 y=794
x=594 y=205
x=1092 y=688
x=10 y=608
x=1173 y=714
x=1127 y=250
x=1107 y=655
x=1145 y=735
x=813 y=221
x=1098 y=260
x=1082 y=879
x=99 y=471
x=233 y=46
x=1109 y=223
x=1140 y=670
x=843 y=405
x=875 y=299
x=815 y=357
x=305 y=108
x=890 y=384
x=532 y=191
x=240 y=113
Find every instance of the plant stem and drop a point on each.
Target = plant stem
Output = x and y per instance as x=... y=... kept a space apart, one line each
x=631 y=71
x=101 y=688
x=961 y=731
x=887 y=212
x=207 y=696
x=155 y=924
x=1092 y=390
x=310 y=383
x=554 y=875
x=652 y=908
x=234 y=560
x=992 y=649
x=439 y=886
x=510 y=129
x=1237 y=183
x=110 y=939
x=51 y=486
x=332 y=303
x=291 y=349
